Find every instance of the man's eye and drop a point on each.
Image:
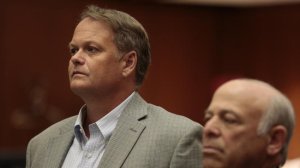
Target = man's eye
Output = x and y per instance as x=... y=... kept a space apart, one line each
x=207 y=118
x=73 y=51
x=230 y=119
x=92 y=50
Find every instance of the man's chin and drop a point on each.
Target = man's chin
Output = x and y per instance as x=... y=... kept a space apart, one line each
x=212 y=162
x=78 y=89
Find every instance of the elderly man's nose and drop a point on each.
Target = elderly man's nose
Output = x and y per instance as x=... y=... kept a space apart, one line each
x=211 y=128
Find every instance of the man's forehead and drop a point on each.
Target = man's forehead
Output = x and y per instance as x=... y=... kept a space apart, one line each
x=247 y=85
x=245 y=91
x=244 y=104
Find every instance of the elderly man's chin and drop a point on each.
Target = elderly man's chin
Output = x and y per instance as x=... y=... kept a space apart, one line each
x=209 y=162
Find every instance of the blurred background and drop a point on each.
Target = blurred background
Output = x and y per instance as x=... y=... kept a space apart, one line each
x=196 y=46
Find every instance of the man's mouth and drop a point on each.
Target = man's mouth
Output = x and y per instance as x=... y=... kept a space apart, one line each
x=78 y=73
x=210 y=149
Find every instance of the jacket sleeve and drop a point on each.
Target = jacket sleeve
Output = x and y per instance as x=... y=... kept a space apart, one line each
x=188 y=152
x=28 y=162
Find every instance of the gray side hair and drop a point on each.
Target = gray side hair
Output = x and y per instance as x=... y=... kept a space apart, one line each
x=130 y=35
x=279 y=112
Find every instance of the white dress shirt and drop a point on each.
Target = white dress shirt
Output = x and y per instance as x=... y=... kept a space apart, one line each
x=87 y=152
x=293 y=163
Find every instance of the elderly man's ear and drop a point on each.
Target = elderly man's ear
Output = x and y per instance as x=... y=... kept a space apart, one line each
x=277 y=137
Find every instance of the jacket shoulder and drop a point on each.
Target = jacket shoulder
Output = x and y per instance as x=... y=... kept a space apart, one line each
x=56 y=129
x=171 y=122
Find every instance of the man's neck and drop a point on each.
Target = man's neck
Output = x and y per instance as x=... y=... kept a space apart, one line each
x=99 y=107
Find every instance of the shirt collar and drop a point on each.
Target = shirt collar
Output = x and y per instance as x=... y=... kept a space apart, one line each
x=105 y=124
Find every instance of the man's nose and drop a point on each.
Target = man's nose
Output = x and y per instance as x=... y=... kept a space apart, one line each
x=211 y=128
x=78 y=58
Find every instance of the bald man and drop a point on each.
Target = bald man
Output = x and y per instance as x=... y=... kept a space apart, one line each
x=248 y=124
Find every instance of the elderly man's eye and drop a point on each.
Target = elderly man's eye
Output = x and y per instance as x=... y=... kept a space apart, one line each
x=207 y=117
x=230 y=118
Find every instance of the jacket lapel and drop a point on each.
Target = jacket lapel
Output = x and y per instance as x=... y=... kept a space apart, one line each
x=59 y=146
x=126 y=134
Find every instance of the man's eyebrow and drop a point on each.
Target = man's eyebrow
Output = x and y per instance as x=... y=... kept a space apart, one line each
x=207 y=111
x=70 y=45
x=225 y=111
x=222 y=111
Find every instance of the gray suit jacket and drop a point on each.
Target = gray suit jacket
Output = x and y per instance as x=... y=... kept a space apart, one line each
x=146 y=136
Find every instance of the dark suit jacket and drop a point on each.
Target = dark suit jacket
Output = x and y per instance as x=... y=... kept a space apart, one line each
x=146 y=136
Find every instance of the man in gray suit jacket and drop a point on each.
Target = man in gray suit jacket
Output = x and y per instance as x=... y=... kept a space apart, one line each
x=116 y=127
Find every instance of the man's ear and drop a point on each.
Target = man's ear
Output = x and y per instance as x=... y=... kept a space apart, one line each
x=277 y=139
x=129 y=63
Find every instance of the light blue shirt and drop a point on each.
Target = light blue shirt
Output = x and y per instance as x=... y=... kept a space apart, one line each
x=87 y=152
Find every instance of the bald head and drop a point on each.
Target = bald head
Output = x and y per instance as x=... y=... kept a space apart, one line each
x=248 y=124
x=250 y=86
x=249 y=92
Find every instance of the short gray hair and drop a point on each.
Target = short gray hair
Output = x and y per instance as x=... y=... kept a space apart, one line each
x=279 y=112
x=129 y=35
